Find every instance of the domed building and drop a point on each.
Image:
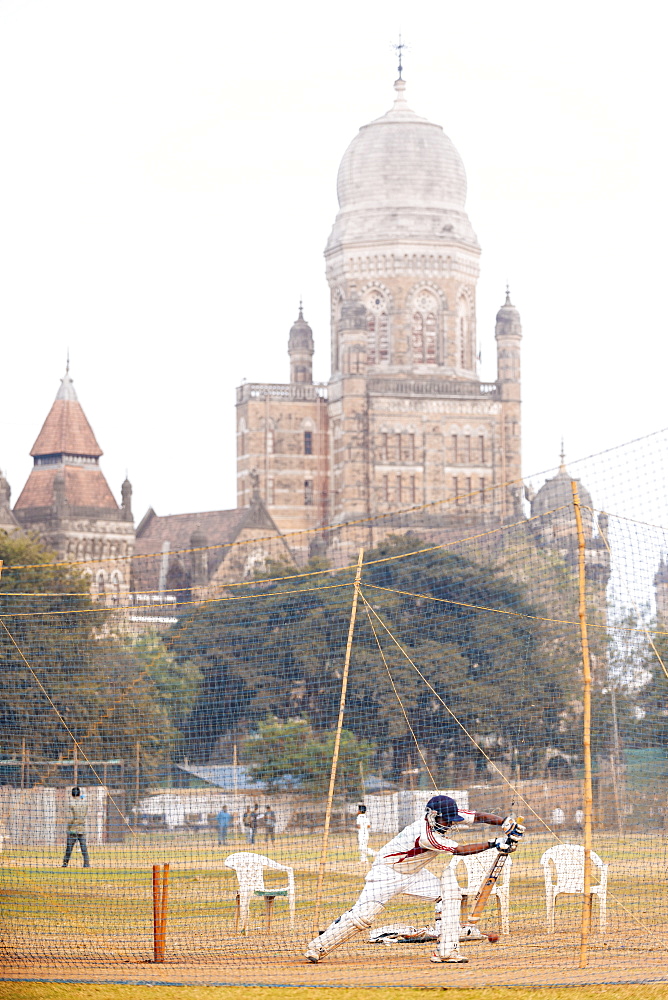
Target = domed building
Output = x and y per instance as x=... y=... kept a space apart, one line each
x=553 y=522
x=404 y=419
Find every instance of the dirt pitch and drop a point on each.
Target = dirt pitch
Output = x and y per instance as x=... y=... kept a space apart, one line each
x=96 y=926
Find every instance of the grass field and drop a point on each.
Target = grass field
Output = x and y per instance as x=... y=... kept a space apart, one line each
x=58 y=991
x=97 y=925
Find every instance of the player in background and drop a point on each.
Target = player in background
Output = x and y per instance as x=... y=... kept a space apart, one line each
x=398 y=868
x=363 y=826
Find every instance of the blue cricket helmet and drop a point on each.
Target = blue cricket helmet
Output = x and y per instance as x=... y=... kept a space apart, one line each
x=443 y=811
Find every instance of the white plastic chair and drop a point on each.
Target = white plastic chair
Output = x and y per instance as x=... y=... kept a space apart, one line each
x=249 y=868
x=477 y=869
x=567 y=862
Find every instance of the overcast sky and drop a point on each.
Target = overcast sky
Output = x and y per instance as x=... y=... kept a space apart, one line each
x=168 y=182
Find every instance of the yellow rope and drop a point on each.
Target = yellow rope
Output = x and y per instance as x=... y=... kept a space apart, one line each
x=317 y=572
x=363 y=520
x=394 y=688
x=645 y=630
x=290 y=534
x=455 y=719
x=470 y=736
x=181 y=604
x=503 y=611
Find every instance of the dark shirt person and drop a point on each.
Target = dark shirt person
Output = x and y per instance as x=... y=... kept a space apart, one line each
x=269 y=824
x=76 y=828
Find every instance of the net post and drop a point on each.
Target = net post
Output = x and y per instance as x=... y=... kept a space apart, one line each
x=585 y=925
x=156 y=913
x=137 y=751
x=163 y=909
x=337 y=742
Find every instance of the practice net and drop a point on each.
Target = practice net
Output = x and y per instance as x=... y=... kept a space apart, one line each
x=224 y=737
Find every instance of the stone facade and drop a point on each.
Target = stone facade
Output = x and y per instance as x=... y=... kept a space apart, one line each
x=8 y=522
x=554 y=527
x=661 y=592
x=404 y=420
x=67 y=502
x=192 y=557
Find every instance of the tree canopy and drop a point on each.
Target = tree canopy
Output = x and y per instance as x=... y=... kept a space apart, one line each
x=63 y=666
x=289 y=754
x=509 y=679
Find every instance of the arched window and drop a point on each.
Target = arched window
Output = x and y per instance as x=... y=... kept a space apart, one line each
x=377 y=329
x=465 y=346
x=371 y=339
x=115 y=588
x=430 y=339
x=383 y=334
x=418 y=339
x=425 y=328
x=100 y=583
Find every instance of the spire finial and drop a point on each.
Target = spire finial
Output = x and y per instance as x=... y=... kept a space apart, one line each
x=508 y=302
x=399 y=49
x=67 y=363
x=301 y=308
x=562 y=458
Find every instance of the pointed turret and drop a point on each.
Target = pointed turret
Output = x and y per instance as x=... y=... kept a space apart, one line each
x=66 y=460
x=508 y=335
x=300 y=349
x=67 y=500
x=126 y=499
x=66 y=430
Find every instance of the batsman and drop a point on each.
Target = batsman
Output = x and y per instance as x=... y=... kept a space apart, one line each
x=399 y=868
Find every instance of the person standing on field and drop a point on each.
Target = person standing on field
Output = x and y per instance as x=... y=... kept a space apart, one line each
x=76 y=828
x=223 y=819
x=363 y=826
x=248 y=824
x=269 y=819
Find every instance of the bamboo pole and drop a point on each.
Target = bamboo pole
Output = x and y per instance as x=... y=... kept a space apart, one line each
x=156 y=913
x=160 y=899
x=137 y=748
x=337 y=742
x=235 y=775
x=23 y=762
x=163 y=910
x=585 y=924
x=76 y=766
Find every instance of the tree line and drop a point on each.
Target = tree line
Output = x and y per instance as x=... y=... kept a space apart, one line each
x=496 y=680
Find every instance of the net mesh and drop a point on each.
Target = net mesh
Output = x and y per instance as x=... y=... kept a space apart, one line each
x=375 y=663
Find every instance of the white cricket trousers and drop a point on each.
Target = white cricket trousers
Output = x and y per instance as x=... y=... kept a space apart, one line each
x=383 y=883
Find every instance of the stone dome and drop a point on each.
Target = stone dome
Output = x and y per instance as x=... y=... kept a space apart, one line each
x=556 y=495
x=398 y=168
x=301 y=334
x=508 y=313
x=557 y=492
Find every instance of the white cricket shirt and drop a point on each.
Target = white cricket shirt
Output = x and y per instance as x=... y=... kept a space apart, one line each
x=417 y=845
